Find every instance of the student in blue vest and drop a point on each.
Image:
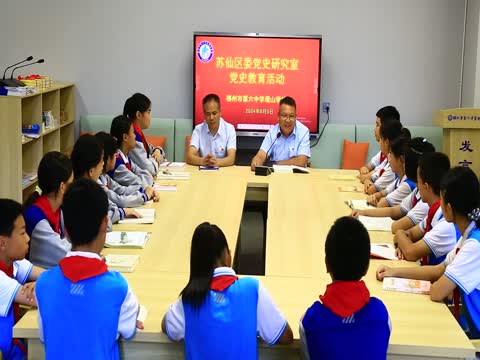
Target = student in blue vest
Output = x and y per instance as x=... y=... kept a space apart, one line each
x=346 y=313
x=367 y=170
x=44 y=216
x=399 y=189
x=87 y=161
x=411 y=210
x=17 y=276
x=84 y=307
x=214 y=141
x=218 y=314
x=288 y=142
x=434 y=237
x=123 y=196
x=126 y=171
x=138 y=109
x=460 y=202
x=390 y=130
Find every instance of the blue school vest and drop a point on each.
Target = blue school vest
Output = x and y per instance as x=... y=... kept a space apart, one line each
x=80 y=320
x=225 y=325
x=366 y=332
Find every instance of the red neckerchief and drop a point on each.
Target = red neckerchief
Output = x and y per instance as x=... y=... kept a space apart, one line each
x=382 y=157
x=431 y=213
x=53 y=218
x=9 y=272
x=414 y=201
x=127 y=163
x=139 y=132
x=345 y=298
x=220 y=283
x=78 y=268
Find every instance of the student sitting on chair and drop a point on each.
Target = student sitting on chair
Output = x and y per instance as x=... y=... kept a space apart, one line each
x=460 y=202
x=367 y=170
x=288 y=142
x=218 y=314
x=44 y=217
x=126 y=171
x=346 y=312
x=83 y=307
x=16 y=276
x=434 y=237
x=87 y=160
x=412 y=210
x=138 y=109
x=123 y=196
x=390 y=130
x=213 y=142
x=399 y=189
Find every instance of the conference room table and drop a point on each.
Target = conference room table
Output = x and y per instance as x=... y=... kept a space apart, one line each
x=301 y=209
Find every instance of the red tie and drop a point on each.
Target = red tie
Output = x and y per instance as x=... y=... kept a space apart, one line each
x=221 y=283
x=129 y=167
x=382 y=157
x=139 y=132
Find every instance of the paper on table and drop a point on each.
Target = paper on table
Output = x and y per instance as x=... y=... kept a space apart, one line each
x=360 y=205
x=148 y=217
x=376 y=223
x=142 y=313
x=383 y=251
x=289 y=169
x=122 y=263
x=353 y=188
x=127 y=239
x=342 y=177
x=165 y=187
x=171 y=175
x=172 y=164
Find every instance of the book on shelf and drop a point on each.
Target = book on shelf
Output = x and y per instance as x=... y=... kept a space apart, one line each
x=406 y=285
x=148 y=217
x=28 y=177
x=127 y=239
x=122 y=263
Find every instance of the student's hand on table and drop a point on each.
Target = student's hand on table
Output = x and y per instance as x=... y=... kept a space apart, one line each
x=383 y=272
x=129 y=212
x=149 y=191
x=372 y=199
x=356 y=213
x=140 y=325
x=156 y=196
x=29 y=291
x=157 y=155
x=399 y=254
x=366 y=185
x=363 y=170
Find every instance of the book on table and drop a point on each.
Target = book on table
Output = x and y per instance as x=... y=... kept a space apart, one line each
x=376 y=223
x=289 y=169
x=406 y=285
x=148 y=217
x=122 y=263
x=383 y=251
x=173 y=175
x=127 y=239
x=360 y=205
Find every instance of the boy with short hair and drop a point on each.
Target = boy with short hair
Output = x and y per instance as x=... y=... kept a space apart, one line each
x=346 y=310
x=80 y=297
x=15 y=271
x=434 y=237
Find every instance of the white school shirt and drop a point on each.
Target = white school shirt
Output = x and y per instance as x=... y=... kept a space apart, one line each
x=442 y=237
x=399 y=190
x=413 y=207
x=270 y=321
x=10 y=286
x=463 y=262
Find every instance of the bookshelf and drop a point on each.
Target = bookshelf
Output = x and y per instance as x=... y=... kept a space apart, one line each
x=19 y=156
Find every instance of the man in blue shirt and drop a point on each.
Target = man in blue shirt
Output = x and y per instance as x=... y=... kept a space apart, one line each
x=288 y=142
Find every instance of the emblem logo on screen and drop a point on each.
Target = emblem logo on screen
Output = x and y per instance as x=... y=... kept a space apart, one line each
x=205 y=51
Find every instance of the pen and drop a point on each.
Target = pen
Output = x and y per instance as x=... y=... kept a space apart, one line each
x=349 y=204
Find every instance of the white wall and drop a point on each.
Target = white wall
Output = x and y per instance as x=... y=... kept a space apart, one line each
x=375 y=52
x=471 y=49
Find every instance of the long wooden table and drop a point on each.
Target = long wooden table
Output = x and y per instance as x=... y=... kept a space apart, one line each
x=301 y=209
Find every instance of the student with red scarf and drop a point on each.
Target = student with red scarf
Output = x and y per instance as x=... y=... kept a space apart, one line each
x=17 y=276
x=138 y=110
x=346 y=312
x=43 y=214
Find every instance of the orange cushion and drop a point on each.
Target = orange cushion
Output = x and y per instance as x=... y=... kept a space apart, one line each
x=187 y=145
x=157 y=140
x=354 y=155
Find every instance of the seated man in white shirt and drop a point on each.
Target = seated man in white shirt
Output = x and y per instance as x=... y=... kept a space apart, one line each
x=288 y=142
x=213 y=142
